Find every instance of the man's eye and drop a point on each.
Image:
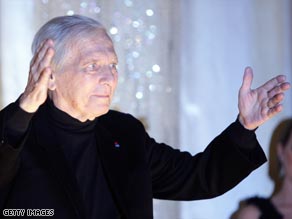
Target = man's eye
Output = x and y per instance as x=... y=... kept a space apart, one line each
x=91 y=67
x=114 y=66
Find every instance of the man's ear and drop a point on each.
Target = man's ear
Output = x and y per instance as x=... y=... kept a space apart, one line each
x=52 y=82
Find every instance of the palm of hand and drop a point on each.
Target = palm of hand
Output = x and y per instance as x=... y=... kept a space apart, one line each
x=258 y=105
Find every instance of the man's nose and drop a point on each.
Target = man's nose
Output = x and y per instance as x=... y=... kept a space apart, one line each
x=107 y=75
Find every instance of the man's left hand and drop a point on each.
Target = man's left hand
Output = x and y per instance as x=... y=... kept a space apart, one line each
x=258 y=105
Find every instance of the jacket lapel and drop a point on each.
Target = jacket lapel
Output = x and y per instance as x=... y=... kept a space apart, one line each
x=113 y=157
x=57 y=164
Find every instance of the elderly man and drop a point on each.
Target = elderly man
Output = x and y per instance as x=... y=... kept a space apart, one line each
x=64 y=153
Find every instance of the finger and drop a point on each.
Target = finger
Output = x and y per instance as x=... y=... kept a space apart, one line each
x=271 y=84
x=247 y=79
x=275 y=110
x=272 y=102
x=44 y=78
x=42 y=53
x=38 y=54
x=46 y=60
x=48 y=44
x=278 y=89
x=34 y=65
x=285 y=86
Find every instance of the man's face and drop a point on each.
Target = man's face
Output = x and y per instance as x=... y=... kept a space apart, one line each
x=85 y=84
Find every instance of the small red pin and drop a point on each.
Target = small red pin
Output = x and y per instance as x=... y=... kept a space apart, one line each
x=117 y=145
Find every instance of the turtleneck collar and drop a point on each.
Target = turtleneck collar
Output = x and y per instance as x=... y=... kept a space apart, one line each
x=66 y=122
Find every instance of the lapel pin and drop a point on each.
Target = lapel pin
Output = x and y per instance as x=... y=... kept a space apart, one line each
x=117 y=145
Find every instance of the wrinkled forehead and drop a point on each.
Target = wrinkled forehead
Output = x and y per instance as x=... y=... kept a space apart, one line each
x=94 y=45
x=98 y=37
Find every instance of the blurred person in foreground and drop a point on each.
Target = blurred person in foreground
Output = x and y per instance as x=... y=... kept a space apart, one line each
x=63 y=149
x=279 y=205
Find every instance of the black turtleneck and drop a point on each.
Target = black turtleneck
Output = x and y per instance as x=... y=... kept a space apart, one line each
x=77 y=139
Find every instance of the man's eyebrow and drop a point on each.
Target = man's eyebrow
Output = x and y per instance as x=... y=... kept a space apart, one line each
x=97 y=60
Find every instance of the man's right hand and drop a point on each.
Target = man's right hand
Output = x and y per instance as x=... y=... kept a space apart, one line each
x=36 y=90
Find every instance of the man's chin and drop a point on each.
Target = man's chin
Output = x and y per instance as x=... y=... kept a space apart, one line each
x=101 y=111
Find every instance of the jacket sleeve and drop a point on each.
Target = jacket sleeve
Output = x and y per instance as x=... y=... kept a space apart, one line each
x=227 y=160
x=14 y=126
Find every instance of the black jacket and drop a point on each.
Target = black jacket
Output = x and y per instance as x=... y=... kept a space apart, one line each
x=34 y=175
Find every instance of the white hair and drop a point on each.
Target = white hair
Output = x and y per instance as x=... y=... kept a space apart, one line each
x=64 y=30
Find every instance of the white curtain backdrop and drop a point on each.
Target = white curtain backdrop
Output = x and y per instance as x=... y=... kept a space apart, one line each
x=181 y=65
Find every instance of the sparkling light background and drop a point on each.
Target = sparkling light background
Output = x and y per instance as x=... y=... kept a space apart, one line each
x=180 y=68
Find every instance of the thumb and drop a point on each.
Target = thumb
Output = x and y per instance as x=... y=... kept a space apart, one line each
x=247 y=79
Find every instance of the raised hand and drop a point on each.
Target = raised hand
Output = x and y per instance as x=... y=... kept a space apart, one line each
x=258 y=105
x=36 y=90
